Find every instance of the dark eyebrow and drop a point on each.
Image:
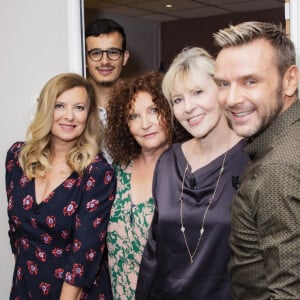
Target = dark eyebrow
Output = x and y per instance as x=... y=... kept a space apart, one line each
x=95 y=49
x=99 y=49
x=250 y=76
x=216 y=79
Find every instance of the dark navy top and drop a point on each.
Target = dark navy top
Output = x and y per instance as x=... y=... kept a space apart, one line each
x=166 y=272
x=63 y=237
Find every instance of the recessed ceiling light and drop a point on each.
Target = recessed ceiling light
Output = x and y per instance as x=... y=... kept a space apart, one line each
x=169 y=5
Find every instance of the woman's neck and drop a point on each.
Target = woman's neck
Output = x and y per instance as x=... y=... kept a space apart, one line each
x=59 y=151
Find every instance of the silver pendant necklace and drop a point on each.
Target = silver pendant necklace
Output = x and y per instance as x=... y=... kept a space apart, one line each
x=210 y=202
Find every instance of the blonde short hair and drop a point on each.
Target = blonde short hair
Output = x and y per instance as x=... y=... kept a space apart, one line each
x=186 y=65
x=243 y=33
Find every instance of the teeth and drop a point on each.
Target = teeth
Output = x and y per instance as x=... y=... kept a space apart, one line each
x=193 y=118
x=242 y=114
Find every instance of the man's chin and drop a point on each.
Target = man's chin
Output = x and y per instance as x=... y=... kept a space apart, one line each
x=107 y=84
x=244 y=131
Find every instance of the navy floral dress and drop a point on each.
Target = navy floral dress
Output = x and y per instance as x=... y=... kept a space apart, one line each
x=63 y=237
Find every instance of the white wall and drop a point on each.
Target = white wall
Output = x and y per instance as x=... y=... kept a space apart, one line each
x=39 y=39
x=293 y=12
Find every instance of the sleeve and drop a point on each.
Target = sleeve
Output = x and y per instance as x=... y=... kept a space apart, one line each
x=11 y=165
x=89 y=243
x=278 y=221
x=149 y=261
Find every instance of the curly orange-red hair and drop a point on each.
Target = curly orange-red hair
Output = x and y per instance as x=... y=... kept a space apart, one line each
x=120 y=144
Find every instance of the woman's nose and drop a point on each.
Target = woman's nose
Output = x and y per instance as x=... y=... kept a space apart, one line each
x=69 y=115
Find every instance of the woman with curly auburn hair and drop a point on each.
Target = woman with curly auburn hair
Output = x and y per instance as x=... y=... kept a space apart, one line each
x=121 y=102
x=139 y=130
x=59 y=187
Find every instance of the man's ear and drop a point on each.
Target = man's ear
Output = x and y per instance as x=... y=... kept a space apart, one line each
x=125 y=57
x=291 y=81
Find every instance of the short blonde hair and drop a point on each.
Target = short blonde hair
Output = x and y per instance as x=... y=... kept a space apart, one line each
x=35 y=154
x=243 y=33
x=186 y=65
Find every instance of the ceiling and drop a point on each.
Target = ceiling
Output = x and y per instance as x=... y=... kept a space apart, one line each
x=156 y=10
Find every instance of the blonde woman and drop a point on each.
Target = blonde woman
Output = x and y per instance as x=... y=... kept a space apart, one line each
x=60 y=188
x=187 y=251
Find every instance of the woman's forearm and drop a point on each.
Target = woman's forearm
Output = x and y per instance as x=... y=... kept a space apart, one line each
x=70 y=292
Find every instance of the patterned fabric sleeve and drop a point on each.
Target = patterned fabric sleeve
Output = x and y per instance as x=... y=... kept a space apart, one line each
x=11 y=167
x=98 y=189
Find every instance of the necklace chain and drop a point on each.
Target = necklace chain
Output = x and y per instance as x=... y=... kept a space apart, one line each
x=210 y=202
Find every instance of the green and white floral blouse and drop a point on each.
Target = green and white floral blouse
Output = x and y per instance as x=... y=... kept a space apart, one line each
x=126 y=237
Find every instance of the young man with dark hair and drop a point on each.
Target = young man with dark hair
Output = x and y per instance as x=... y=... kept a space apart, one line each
x=106 y=54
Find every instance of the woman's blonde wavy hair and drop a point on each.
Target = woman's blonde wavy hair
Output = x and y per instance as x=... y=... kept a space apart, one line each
x=36 y=151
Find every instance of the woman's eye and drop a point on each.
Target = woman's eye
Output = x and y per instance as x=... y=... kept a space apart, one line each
x=80 y=107
x=58 y=106
x=154 y=110
x=132 y=117
x=177 y=100
x=198 y=92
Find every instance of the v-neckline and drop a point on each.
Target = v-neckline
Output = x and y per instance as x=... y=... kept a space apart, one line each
x=45 y=200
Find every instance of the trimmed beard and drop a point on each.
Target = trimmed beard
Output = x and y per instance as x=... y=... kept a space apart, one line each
x=274 y=114
x=107 y=84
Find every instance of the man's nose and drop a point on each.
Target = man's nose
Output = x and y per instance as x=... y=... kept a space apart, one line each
x=105 y=59
x=234 y=95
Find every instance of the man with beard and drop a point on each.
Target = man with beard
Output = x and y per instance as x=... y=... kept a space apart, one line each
x=257 y=80
x=106 y=55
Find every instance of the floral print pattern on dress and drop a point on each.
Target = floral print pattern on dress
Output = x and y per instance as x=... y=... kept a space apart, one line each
x=63 y=237
x=126 y=237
